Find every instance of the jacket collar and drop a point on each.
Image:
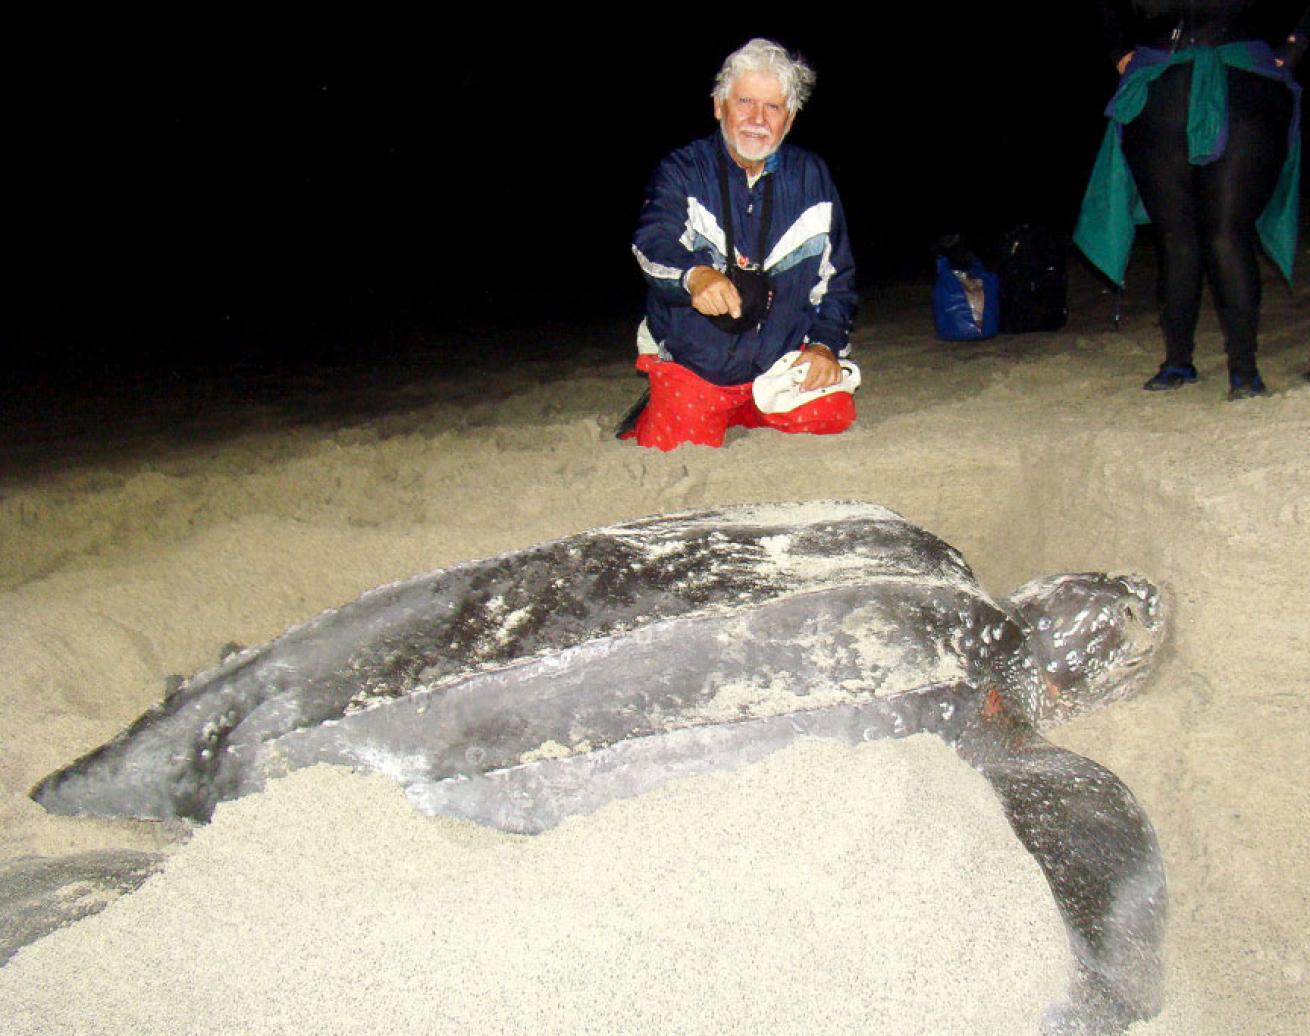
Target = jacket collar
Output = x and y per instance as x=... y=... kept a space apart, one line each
x=770 y=164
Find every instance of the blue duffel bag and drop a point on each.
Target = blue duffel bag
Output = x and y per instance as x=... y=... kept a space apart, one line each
x=966 y=302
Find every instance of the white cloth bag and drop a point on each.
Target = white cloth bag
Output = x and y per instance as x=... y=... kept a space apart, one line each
x=777 y=390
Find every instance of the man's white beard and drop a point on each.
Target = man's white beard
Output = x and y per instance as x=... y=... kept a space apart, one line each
x=753 y=155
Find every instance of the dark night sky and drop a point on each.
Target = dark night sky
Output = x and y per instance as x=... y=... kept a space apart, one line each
x=242 y=183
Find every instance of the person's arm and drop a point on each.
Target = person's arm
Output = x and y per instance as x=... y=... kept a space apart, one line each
x=712 y=293
x=677 y=261
x=835 y=296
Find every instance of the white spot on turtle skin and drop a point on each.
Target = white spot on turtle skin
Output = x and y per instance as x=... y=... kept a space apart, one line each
x=401 y=768
x=776 y=545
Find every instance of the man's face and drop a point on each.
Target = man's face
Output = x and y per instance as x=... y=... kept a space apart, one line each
x=754 y=117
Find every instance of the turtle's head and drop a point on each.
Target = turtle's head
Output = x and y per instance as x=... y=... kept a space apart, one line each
x=1092 y=638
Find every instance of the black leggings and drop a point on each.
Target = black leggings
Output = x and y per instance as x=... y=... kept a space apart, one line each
x=1205 y=214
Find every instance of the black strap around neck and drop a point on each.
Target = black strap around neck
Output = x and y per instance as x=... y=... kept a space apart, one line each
x=765 y=217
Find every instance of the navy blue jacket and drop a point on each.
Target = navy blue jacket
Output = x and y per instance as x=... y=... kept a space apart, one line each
x=807 y=258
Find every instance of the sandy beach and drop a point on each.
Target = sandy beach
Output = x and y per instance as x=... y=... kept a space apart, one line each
x=826 y=889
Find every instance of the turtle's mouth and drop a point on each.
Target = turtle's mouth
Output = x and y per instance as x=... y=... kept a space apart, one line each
x=1129 y=670
x=1135 y=648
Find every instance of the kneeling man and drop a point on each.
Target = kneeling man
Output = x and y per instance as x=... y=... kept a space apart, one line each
x=742 y=198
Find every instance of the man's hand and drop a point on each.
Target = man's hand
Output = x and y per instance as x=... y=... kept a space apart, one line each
x=824 y=368
x=712 y=293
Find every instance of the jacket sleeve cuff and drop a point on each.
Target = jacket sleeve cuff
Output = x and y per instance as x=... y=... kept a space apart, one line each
x=840 y=352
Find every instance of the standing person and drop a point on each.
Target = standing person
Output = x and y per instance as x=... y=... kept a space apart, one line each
x=742 y=198
x=1207 y=118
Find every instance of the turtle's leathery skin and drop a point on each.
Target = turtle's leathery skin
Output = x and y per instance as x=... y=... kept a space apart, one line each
x=548 y=681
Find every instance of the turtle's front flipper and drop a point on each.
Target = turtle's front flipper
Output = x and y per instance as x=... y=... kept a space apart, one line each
x=39 y=893
x=1102 y=861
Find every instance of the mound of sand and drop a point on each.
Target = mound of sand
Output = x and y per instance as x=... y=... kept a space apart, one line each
x=738 y=901
x=741 y=902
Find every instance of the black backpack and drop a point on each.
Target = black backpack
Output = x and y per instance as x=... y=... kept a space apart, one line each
x=1034 y=280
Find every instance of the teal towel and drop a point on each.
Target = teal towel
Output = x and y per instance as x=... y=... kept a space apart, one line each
x=1112 y=207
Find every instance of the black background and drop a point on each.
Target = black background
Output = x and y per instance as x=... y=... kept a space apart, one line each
x=243 y=189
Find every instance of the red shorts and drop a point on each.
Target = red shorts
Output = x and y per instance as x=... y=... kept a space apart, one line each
x=684 y=407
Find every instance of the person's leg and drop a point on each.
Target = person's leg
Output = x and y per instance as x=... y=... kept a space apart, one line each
x=826 y=415
x=1231 y=193
x=1155 y=146
x=683 y=407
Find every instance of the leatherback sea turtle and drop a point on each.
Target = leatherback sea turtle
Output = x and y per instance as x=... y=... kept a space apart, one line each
x=546 y=682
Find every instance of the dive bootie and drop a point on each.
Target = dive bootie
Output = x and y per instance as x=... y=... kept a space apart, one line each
x=1246 y=386
x=1170 y=376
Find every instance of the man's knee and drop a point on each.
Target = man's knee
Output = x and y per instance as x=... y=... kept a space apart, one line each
x=827 y=415
x=682 y=409
x=830 y=425
x=663 y=430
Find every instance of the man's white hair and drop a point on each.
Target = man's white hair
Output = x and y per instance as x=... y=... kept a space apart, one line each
x=760 y=55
